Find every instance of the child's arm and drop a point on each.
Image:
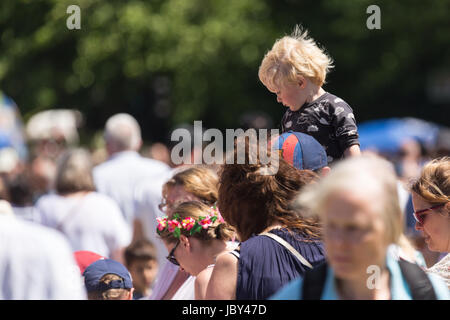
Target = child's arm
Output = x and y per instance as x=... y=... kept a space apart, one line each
x=352 y=151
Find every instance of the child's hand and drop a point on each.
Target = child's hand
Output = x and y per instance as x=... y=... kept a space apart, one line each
x=352 y=151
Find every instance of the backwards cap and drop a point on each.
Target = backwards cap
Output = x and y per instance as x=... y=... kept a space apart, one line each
x=301 y=150
x=99 y=268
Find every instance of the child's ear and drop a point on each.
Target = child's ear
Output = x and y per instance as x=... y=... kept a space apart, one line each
x=302 y=82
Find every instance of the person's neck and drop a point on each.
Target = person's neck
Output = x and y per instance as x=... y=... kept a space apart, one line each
x=78 y=194
x=275 y=225
x=313 y=92
x=358 y=289
x=211 y=252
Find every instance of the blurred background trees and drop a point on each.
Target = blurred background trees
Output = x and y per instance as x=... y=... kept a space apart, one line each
x=169 y=62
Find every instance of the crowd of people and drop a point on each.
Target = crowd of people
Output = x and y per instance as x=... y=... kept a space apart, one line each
x=331 y=222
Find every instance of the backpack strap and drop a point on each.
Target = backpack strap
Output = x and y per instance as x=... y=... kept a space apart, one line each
x=313 y=282
x=417 y=280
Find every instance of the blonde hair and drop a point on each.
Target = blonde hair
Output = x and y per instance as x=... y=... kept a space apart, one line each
x=196 y=209
x=199 y=181
x=433 y=185
x=293 y=56
x=110 y=294
x=368 y=174
x=74 y=172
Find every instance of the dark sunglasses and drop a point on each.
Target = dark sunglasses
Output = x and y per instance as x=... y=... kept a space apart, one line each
x=420 y=215
x=171 y=257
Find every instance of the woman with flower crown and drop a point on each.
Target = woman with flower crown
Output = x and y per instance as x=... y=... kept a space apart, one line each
x=195 y=235
x=198 y=183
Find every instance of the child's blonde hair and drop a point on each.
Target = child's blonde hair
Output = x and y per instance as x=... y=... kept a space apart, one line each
x=293 y=56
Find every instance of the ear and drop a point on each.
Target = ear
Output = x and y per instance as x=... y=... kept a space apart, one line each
x=130 y=296
x=302 y=82
x=184 y=241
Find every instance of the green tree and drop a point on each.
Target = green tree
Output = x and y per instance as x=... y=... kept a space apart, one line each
x=174 y=61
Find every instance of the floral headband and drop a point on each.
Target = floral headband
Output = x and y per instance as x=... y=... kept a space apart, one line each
x=189 y=224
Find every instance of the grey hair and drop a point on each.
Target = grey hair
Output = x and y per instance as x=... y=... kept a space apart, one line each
x=123 y=132
x=362 y=174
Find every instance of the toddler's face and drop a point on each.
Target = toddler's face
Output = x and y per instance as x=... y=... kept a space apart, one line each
x=291 y=95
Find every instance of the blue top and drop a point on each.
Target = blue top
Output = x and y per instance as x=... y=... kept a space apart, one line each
x=265 y=265
x=399 y=287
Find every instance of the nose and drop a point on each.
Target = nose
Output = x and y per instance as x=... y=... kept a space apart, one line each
x=418 y=226
x=279 y=99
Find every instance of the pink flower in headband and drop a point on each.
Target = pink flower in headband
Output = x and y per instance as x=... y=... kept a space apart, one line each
x=206 y=222
x=215 y=212
x=173 y=224
x=188 y=223
x=162 y=223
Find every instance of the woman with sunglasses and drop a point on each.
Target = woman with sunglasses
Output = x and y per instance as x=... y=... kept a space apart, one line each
x=194 y=236
x=198 y=183
x=431 y=201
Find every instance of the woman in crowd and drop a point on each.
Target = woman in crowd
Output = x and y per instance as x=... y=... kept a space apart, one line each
x=193 y=183
x=90 y=221
x=278 y=245
x=358 y=206
x=195 y=236
x=431 y=201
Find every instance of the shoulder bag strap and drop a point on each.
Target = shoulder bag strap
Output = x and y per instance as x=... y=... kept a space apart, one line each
x=285 y=244
x=418 y=281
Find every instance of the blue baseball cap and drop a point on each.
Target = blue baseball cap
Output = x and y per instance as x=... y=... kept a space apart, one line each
x=301 y=150
x=95 y=271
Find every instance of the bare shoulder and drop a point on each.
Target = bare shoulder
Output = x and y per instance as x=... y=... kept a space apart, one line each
x=222 y=284
x=201 y=283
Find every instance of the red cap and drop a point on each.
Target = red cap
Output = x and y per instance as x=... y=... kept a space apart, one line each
x=85 y=258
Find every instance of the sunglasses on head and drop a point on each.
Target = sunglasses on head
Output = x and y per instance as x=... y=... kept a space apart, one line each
x=171 y=256
x=420 y=214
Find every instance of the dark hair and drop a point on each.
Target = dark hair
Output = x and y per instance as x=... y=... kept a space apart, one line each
x=140 y=250
x=251 y=202
x=20 y=190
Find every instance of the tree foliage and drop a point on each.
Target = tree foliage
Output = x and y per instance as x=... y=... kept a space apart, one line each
x=169 y=62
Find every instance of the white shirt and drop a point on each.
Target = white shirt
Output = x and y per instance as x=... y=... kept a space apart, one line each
x=164 y=280
x=93 y=222
x=122 y=173
x=36 y=263
x=442 y=269
x=186 y=291
x=147 y=197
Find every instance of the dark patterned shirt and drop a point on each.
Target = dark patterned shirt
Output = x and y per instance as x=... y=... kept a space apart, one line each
x=329 y=119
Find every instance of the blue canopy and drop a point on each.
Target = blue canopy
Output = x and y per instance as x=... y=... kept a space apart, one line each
x=387 y=135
